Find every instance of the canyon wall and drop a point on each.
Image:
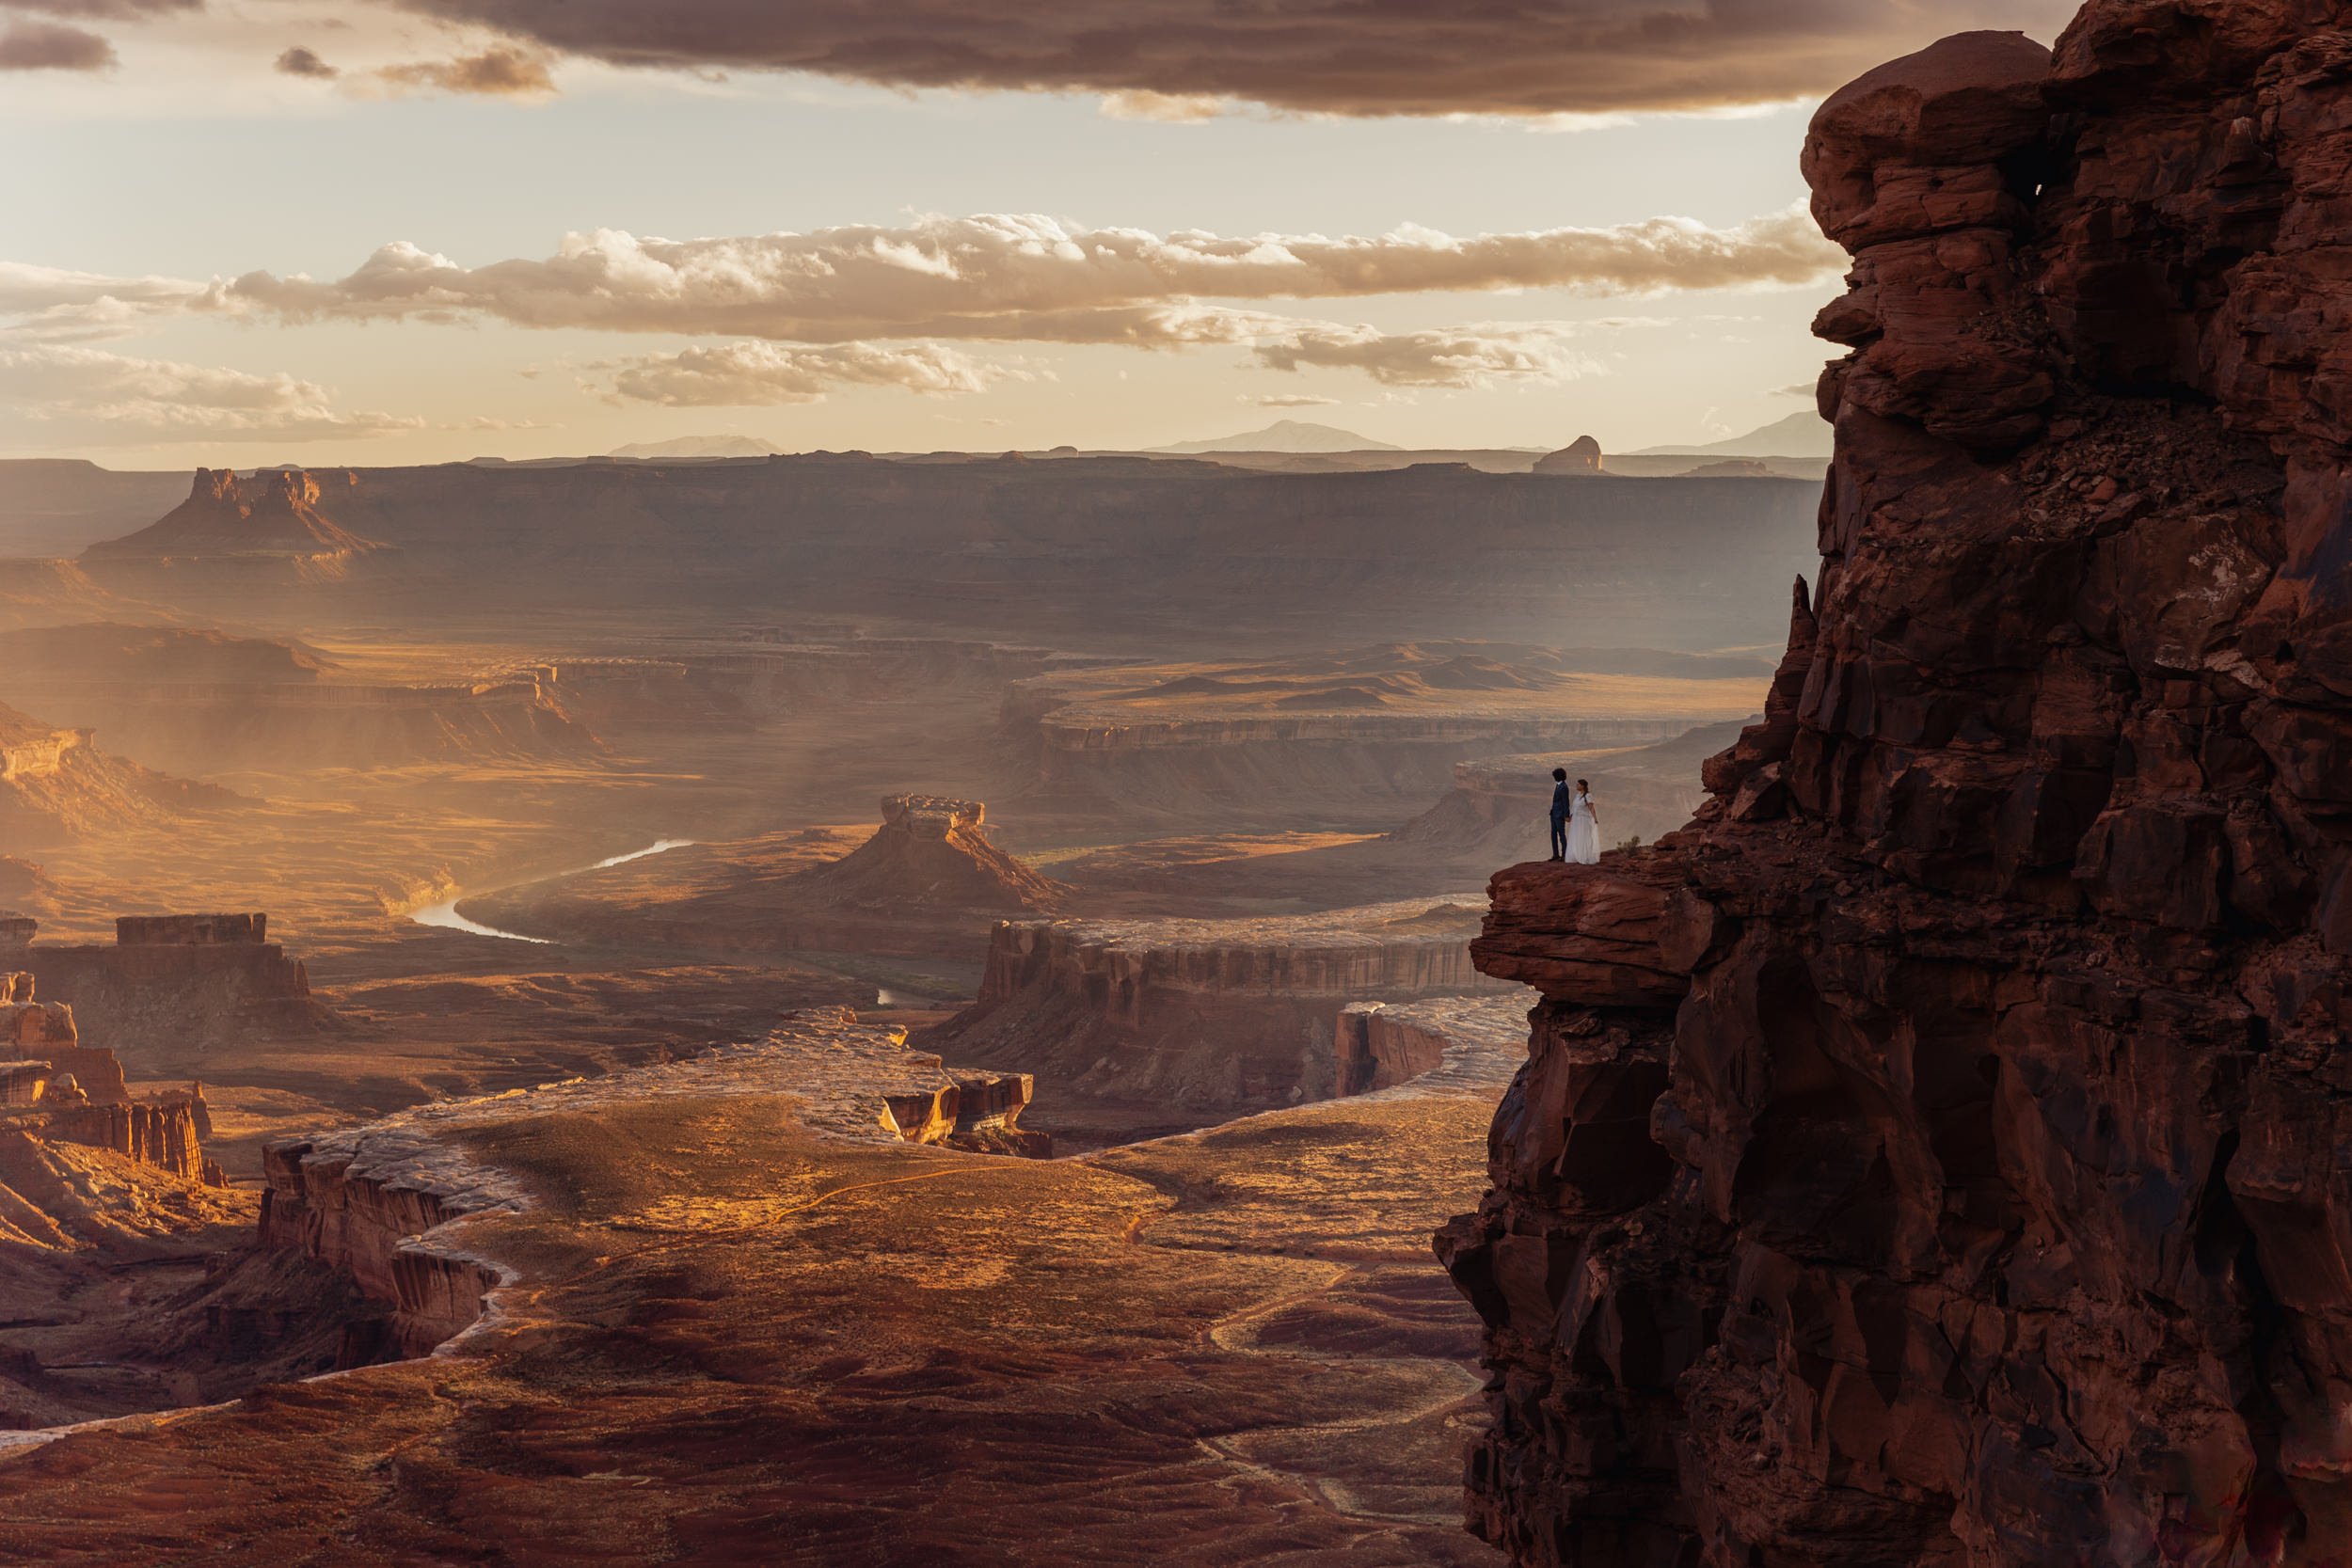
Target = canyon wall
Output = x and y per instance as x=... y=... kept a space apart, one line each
x=1934 y=1155
x=1444 y=1045
x=358 y=1205
x=1199 y=1014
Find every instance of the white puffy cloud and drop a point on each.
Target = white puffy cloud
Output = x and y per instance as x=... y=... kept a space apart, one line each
x=764 y=375
x=107 y=396
x=1022 y=276
x=1460 y=357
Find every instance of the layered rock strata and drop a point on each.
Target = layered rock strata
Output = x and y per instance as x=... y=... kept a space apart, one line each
x=201 y=976
x=1199 y=1014
x=55 y=1089
x=1453 y=1045
x=1932 y=1156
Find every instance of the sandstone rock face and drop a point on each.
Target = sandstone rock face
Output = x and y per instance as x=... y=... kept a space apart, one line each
x=191 y=930
x=1199 y=1014
x=1452 y=1045
x=46 y=1032
x=195 y=976
x=1932 y=1155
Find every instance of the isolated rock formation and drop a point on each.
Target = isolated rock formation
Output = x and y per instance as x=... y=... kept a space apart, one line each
x=930 y=852
x=190 y=978
x=1934 y=1155
x=1580 y=456
x=271 y=513
x=55 y=1091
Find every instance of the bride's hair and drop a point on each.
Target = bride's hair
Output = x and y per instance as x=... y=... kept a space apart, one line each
x=1585 y=786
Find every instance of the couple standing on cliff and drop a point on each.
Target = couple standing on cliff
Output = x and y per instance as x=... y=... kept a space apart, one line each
x=1575 y=825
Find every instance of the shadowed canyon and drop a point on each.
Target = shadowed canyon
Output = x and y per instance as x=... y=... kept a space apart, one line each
x=853 y=1009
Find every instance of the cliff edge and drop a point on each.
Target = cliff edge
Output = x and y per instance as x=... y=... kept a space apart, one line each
x=1932 y=1155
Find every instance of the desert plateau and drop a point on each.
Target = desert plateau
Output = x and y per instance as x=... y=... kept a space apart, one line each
x=739 y=900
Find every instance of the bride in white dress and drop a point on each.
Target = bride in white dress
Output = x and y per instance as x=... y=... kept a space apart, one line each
x=1584 y=827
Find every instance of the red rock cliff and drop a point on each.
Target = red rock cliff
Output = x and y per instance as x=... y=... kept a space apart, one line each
x=1934 y=1155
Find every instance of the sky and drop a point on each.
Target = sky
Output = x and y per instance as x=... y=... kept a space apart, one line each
x=384 y=232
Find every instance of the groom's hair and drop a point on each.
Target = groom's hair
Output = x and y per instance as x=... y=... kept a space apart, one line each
x=1560 y=773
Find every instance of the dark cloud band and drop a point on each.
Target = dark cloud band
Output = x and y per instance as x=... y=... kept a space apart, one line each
x=1336 y=56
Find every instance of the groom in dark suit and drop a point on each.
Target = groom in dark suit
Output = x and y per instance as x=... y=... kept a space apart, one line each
x=1560 y=808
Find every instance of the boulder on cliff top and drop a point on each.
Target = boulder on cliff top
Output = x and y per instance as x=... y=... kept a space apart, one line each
x=1967 y=102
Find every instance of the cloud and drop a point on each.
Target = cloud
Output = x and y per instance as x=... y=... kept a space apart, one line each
x=1460 y=357
x=102 y=10
x=1293 y=400
x=299 y=61
x=58 y=305
x=1323 y=57
x=499 y=72
x=121 y=399
x=763 y=375
x=489 y=422
x=47 y=46
x=1168 y=108
x=1014 y=277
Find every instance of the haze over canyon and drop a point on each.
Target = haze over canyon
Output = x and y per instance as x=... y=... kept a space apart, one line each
x=869 y=888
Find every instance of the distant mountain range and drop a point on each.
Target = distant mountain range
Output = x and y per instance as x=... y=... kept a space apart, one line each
x=1801 y=435
x=1287 y=435
x=696 y=446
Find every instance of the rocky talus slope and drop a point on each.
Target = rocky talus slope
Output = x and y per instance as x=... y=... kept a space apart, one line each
x=1932 y=1156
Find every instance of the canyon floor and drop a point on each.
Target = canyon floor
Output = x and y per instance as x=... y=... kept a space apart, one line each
x=549 y=885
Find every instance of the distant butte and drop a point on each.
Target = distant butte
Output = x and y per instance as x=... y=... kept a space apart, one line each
x=271 y=513
x=1582 y=456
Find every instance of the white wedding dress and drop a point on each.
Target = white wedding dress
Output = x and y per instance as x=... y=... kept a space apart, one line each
x=1583 y=831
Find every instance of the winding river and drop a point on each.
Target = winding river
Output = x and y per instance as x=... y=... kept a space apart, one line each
x=444 y=915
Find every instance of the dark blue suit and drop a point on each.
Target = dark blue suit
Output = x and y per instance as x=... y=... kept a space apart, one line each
x=1560 y=810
